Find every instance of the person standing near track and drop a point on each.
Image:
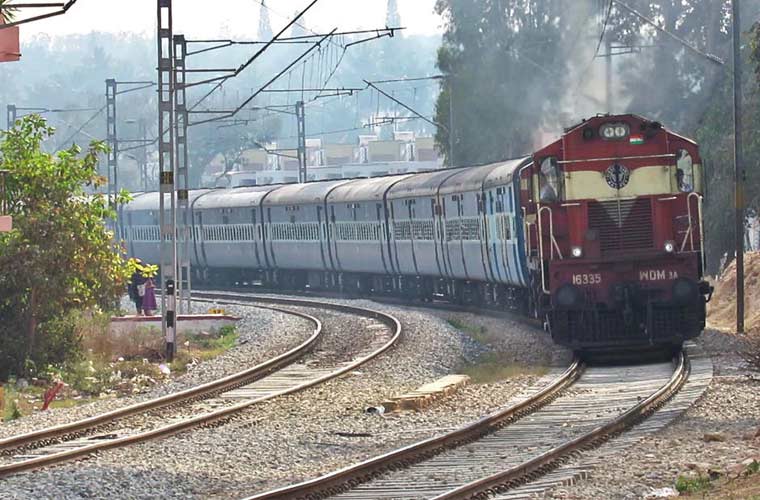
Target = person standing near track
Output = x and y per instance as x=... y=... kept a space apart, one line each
x=149 y=299
x=137 y=287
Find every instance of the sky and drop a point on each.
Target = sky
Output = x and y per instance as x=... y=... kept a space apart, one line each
x=237 y=18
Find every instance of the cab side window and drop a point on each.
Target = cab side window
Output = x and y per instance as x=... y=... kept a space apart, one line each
x=550 y=181
x=684 y=171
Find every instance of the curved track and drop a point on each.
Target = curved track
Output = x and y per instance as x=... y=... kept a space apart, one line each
x=205 y=404
x=575 y=412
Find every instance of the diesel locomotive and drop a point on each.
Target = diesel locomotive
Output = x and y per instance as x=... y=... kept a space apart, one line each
x=598 y=234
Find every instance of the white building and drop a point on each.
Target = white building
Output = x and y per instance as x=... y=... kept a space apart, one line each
x=369 y=158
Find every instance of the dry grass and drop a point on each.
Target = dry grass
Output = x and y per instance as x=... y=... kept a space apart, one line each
x=751 y=350
x=140 y=342
x=490 y=367
x=721 y=312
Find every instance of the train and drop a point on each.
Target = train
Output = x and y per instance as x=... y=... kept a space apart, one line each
x=598 y=235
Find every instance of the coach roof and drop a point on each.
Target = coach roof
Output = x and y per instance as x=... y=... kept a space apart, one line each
x=418 y=185
x=373 y=189
x=310 y=192
x=149 y=201
x=505 y=172
x=234 y=198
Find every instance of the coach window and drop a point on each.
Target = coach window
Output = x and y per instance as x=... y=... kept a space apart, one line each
x=684 y=171
x=550 y=181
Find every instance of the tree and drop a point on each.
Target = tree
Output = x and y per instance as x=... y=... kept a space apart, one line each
x=60 y=256
x=662 y=79
x=504 y=62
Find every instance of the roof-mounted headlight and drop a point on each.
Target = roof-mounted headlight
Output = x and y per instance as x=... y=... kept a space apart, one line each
x=614 y=131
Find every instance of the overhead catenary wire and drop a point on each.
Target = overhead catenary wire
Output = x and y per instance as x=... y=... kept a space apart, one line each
x=711 y=57
x=265 y=86
x=242 y=67
x=64 y=8
x=405 y=106
x=604 y=27
x=90 y=120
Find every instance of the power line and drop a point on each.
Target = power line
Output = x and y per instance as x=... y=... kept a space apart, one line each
x=264 y=87
x=417 y=79
x=90 y=120
x=675 y=37
x=64 y=6
x=408 y=108
x=604 y=27
x=296 y=23
x=250 y=61
x=303 y=39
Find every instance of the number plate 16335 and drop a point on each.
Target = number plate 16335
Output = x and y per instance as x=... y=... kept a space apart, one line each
x=587 y=279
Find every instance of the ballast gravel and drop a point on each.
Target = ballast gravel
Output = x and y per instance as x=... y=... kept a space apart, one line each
x=301 y=436
x=712 y=438
x=263 y=333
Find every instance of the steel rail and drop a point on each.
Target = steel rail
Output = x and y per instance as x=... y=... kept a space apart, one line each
x=59 y=432
x=351 y=476
x=538 y=466
x=213 y=416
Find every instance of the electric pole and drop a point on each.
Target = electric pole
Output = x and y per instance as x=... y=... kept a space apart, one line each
x=167 y=189
x=301 y=121
x=114 y=144
x=113 y=152
x=143 y=125
x=12 y=116
x=452 y=162
x=739 y=172
x=182 y=172
x=608 y=74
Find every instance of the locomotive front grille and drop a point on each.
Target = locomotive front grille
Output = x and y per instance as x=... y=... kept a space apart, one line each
x=622 y=225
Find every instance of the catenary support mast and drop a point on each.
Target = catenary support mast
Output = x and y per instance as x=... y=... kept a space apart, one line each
x=113 y=151
x=302 y=160
x=739 y=172
x=184 y=280
x=11 y=116
x=166 y=162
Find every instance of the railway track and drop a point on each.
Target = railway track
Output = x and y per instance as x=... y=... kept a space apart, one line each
x=514 y=447
x=207 y=404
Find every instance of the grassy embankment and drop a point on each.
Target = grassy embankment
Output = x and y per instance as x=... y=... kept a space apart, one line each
x=110 y=368
x=490 y=366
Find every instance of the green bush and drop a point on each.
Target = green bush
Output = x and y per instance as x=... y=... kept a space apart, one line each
x=60 y=256
x=692 y=484
x=224 y=339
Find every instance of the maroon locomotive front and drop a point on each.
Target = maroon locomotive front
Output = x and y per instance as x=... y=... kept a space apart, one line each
x=614 y=219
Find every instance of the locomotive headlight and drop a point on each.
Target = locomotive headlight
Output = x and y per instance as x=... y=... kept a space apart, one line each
x=614 y=131
x=608 y=132
x=577 y=252
x=670 y=246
